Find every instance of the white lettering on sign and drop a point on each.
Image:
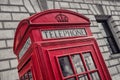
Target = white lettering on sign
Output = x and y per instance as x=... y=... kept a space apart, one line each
x=25 y=47
x=49 y=34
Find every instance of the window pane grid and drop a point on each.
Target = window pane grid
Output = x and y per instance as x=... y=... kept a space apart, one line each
x=85 y=72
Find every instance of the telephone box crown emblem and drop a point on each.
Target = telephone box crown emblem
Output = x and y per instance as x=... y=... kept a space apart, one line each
x=61 y=18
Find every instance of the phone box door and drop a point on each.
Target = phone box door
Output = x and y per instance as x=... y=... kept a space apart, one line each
x=78 y=61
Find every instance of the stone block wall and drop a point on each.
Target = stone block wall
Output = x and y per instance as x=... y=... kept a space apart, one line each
x=13 y=11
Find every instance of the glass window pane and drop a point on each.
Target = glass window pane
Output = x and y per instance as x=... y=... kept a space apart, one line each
x=30 y=75
x=83 y=77
x=77 y=62
x=71 y=79
x=26 y=76
x=95 y=76
x=89 y=61
x=65 y=66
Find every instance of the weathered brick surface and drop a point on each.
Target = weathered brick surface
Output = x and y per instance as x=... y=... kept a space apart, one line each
x=5 y=16
x=16 y=2
x=9 y=75
x=1 y=25
x=74 y=5
x=4 y=65
x=2 y=44
x=50 y=4
x=36 y=5
x=10 y=24
x=113 y=70
x=64 y=4
x=114 y=62
x=116 y=77
x=3 y=1
x=9 y=43
x=14 y=63
x=20 y=16
x=84 y=6
x=23 y=9
x=28 y=6
x=6 y=54
x=10 y=8
x=6 y=34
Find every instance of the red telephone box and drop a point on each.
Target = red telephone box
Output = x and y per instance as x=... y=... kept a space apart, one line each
x=58 y=45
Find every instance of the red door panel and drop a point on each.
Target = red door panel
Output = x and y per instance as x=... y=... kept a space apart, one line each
x=76 y=63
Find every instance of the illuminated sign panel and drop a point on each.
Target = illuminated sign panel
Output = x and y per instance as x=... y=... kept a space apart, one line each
x=49 y=34
x=25 y=48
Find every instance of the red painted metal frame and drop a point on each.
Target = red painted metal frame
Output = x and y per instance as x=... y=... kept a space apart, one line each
x=97 y=57
x=42 y=55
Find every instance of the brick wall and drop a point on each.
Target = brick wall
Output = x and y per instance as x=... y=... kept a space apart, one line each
x=12 y=11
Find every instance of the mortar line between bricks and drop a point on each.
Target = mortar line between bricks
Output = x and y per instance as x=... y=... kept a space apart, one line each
x=32 y=5
x=7 y=59
x=10 y=64
x=7 y=69
x=6 y=48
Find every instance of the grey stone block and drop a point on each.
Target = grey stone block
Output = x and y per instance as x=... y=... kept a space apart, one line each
x=118 y=67
x=113 y=70
x=105 y=10
x=106 y=48
x=115 y=18
x=91 y=17
x=3 y=1
x=4 y=34
x=101 y=42
x=106 y=2
x=116 y=77
x=10 y=8
x=1 y=26
x=35 y=5
x=74 y=5
x=88 y=1
x=20 y=16
x=2 y=44
x=113 y=8
x=14 y=63
x=83 y=11
x=106 y=56
x=9 y=43
x=78 y=0
x=5 y=16
x=95 y=29
x=64 y=4
x=92 y=9
x=23 y=9
x=50 y=4
x=57 y=5
x=4 y=65
x=114 y=62
x=6 y=54
x=84 y=6
x=117 y=8
x=16 y=2
x=29 y=6
x=9 y=75
x=10 y=24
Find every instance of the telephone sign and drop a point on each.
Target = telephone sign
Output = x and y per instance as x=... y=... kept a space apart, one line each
x=58 y=45
x=49 y=34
